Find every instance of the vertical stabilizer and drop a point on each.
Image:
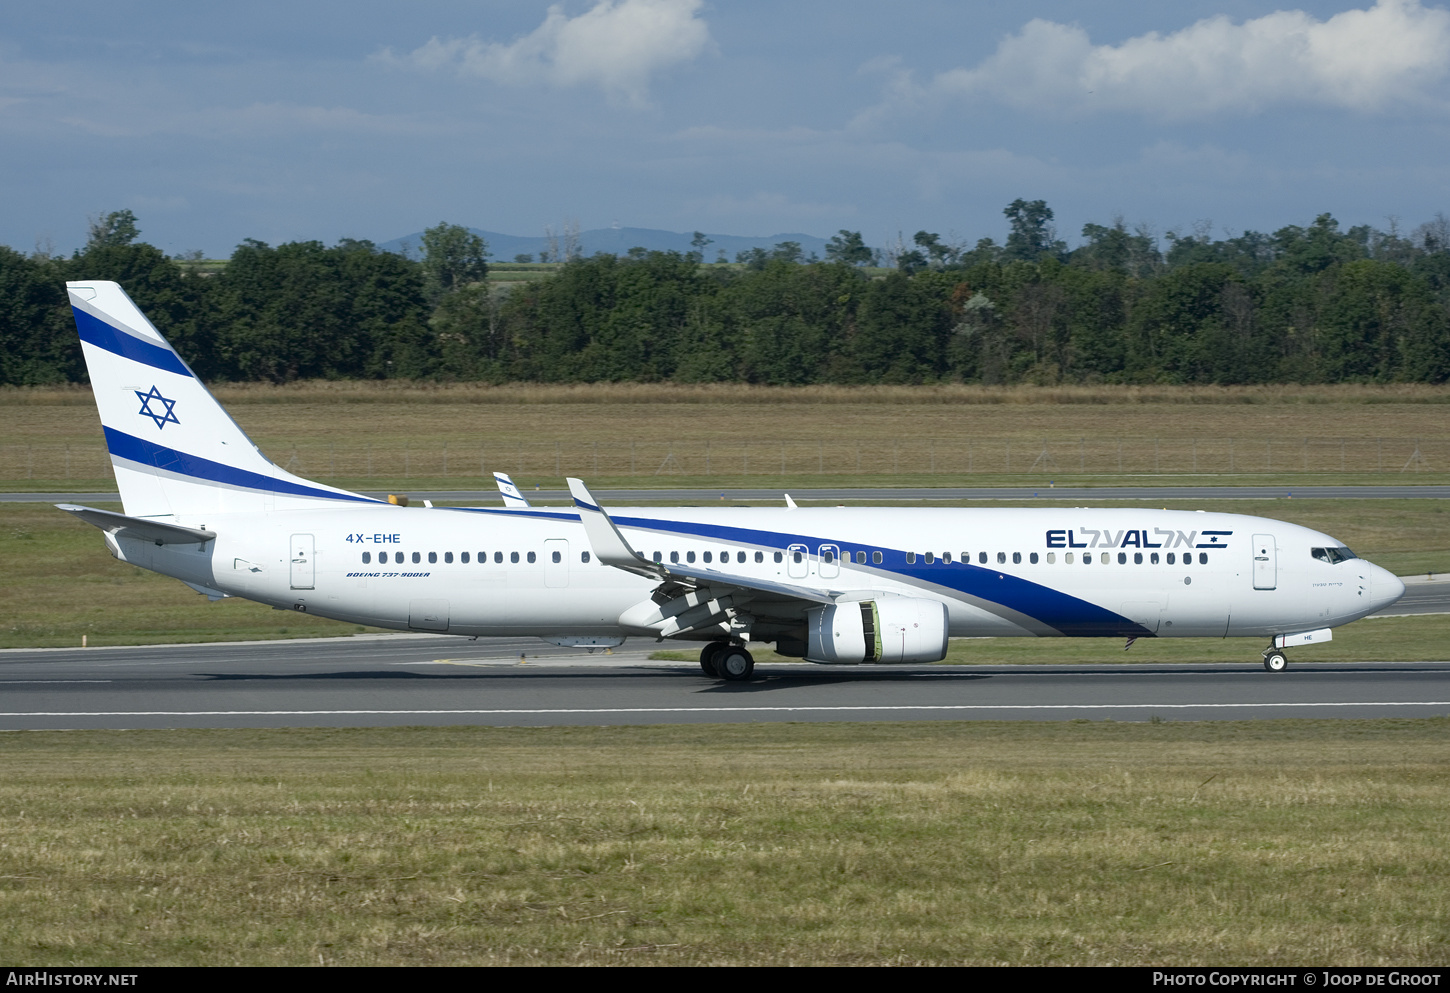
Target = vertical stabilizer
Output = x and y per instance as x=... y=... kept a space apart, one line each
x=175 y=451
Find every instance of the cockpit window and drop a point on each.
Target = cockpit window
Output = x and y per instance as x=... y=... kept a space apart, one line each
x=1333 y=554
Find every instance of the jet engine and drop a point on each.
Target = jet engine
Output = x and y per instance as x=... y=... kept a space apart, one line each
x=891 y=629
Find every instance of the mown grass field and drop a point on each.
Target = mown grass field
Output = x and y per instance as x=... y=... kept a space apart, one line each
x=399 y=435
x=60 y=583
x=1270 y=842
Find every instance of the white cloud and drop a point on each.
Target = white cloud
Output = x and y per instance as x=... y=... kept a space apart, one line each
x=617 y=45
x=1357 y=59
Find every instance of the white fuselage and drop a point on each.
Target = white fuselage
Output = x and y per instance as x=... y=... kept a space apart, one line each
x=1038 y=572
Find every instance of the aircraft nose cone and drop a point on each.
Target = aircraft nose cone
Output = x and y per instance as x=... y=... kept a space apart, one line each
x=1385 y=587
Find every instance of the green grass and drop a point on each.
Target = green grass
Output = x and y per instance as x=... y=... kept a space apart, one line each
x=1277 y=843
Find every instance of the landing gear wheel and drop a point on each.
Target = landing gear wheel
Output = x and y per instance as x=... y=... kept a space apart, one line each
x=708 y=655
x=1275 y=660
x=734 y=663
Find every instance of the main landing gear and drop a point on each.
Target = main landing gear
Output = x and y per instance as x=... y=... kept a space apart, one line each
x=722 y=660
x=1275 y=660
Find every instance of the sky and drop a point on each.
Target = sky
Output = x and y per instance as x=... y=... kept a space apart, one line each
x=310 y=119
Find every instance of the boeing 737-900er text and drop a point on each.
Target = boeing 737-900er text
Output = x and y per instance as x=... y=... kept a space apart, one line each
x=831 y=585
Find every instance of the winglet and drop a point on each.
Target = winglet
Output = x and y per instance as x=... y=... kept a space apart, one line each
x=789 y=503
x=510 y=493
x=605 y=539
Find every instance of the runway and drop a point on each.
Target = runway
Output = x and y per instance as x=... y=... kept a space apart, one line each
x=1087 y=494
x=393 y=680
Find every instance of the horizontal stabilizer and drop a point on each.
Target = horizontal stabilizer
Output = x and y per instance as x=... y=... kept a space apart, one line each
x=138 y=527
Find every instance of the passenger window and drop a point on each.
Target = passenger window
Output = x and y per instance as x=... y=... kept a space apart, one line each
x=966 y=556
x=1066 y=558
x=1137 y=558
x=689 y=556
x=1153 y=559
x=778 y=557
x=533 y=558
x=739 y=557
x=659 y=556
x=498 y=557
x=982 y=557
x=759 y=557
x=860 y=558
x=910 y=558
x=463 y=557
x=946 y=557
x=559 y=558
x=584 y=557
x=448 y=556
x=417 y=558
x=1107 y=558
x=1203 y=558
x=1122 y=558
x=706 y=557
x=796 y=557
x=514 y=558
x=1001 y=558
x=433 y=557
x=725 y=557
x=1032 y=558
x=1016 y=558
x=1052 y=558
x=368 y=557
x=675 y=557
x=930 y=558
x=875 y=558
x=1171 y=557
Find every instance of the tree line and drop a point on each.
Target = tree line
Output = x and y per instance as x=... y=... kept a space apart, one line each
x=1311 y=304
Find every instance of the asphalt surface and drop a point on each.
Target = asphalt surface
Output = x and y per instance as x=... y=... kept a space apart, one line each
x=425 y=680
x=902 y=494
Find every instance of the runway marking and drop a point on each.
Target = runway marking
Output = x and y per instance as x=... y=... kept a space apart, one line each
x=710 y=710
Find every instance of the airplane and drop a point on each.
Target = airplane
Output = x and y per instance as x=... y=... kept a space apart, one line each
x=835 y=585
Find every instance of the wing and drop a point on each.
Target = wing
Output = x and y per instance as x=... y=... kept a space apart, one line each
x=688 y=599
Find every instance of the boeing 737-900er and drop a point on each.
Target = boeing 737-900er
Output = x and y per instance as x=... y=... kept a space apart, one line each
x=831 y=585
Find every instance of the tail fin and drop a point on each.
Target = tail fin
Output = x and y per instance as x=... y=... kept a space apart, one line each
x=174 y=450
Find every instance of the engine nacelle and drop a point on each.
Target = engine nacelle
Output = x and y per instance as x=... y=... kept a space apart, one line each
x=891 y=629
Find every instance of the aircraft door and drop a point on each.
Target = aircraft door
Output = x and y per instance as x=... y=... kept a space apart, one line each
x=830 y=561
x=556 y=563
x=303 y=555
x=1266 y=562
x=797 y=561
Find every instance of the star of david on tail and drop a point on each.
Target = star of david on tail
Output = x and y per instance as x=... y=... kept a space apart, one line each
x=169 y=417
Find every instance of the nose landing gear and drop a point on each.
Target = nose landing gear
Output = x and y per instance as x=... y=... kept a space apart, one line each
x=1275 y=660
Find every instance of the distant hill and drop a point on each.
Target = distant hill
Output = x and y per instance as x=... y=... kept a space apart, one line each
x=618 y=241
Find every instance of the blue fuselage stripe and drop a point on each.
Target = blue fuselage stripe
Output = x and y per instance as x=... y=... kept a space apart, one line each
x=149 y=453
x=1062 y=611
x=102 y=335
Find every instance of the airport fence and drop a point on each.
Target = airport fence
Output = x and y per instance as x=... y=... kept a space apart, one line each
x=1048 y=457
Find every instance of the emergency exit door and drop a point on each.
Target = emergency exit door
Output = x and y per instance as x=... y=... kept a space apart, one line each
x=303 y=567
